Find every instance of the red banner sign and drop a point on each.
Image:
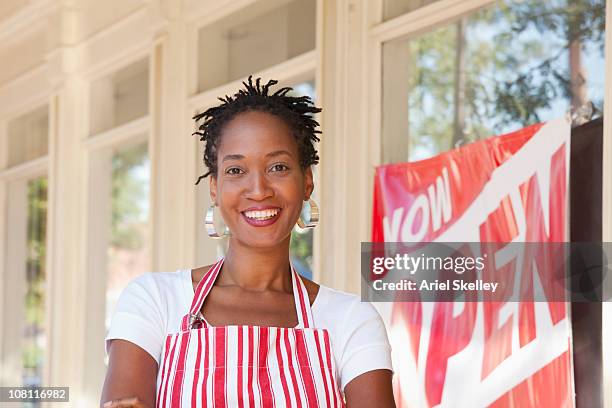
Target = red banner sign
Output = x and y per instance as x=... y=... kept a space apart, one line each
x=510 y=188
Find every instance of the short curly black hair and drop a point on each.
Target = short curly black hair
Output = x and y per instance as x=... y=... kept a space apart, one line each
x=296 y=111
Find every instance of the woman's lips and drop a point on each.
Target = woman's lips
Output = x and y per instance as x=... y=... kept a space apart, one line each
x=258 y=222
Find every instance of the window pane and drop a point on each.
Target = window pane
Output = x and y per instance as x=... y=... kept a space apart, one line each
x=499 y=69
x=34 y=337
x=257 y=37
x=301 y=239
x=301 y=251
x=395 y=8
x=120 y=98
x=28 y=136
x=128 y=250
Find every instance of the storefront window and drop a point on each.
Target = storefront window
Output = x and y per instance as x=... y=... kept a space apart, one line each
x=499 y=69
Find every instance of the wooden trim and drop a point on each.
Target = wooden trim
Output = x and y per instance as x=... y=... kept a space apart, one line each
x=192 y=60
x=295 y=69
x=115 y=46
x=25 y=93
x=374 y=93
x=3 y=233
x=27 y=20
x=119 y=134
x=425 y=18
x=32 y=168
x=202 y=14
x=38 y=102
x=606 y=191
x=141 y=12
x=51 y=183
x=318 y=77
x=120 y=60
x=3 y=146
x=155 y=108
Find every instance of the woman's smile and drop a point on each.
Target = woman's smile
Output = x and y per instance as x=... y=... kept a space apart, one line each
x=261 y=216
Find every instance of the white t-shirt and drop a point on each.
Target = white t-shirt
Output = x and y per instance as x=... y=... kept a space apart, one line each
x=153 y=304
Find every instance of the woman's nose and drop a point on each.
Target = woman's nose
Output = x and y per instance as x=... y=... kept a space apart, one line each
x=258 y=187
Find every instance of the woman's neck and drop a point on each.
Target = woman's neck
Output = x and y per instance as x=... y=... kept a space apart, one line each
x=257 y=269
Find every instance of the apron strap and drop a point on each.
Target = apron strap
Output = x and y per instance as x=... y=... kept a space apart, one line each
x=204 y=287
x=302 y=302
x=195 y=319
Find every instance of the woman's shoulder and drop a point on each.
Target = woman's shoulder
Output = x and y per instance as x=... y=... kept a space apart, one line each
x=159 y=285
x=146 y=308
x=344 y=307
x=338 y=297
x=161 y=278
x=321 y=294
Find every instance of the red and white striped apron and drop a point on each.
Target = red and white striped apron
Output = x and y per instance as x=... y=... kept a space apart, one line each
x=248 y=366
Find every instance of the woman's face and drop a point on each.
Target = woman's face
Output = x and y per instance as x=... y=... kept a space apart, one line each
x=260 y=185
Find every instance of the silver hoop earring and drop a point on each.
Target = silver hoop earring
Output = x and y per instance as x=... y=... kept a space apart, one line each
x=209 y=221
x=309 y=217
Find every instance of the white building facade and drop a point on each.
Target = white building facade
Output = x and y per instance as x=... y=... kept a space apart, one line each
x=98 y=165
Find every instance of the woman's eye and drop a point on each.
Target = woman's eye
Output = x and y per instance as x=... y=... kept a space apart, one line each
x=279 y=167
x=233 y=171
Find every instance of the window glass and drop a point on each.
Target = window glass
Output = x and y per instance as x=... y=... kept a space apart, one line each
x=257 y=37
x=34 y=332
x=120 y=97
x=129 y=247
x=502 y=68
x=301 y=239
x=28 y=136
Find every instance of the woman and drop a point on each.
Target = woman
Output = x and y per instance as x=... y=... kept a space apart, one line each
x=247 y=330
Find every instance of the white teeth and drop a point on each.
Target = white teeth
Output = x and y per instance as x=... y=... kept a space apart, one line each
x=262 y=215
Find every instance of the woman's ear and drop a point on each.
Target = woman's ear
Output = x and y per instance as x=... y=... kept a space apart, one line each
x=308 y=183
x=213 y=190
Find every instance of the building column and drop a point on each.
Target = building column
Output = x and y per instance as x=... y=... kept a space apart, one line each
x=172 y=147
x=67 y=274
x=346 y=160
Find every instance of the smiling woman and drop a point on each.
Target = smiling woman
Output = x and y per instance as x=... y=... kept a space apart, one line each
x=248 y=329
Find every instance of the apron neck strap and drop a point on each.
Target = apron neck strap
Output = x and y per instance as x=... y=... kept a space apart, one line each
x=300 y=296
x=302 y=302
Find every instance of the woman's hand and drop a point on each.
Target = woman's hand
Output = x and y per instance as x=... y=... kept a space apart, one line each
x=371 y=389
x=131 y=377
x=132 y=402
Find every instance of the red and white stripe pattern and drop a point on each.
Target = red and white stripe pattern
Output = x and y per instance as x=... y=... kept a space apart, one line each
x=248 y=366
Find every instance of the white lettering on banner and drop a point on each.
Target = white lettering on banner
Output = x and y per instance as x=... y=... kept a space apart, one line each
x=435 y=209
x=419 y=204
x=440 y=200
x=392 y=231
